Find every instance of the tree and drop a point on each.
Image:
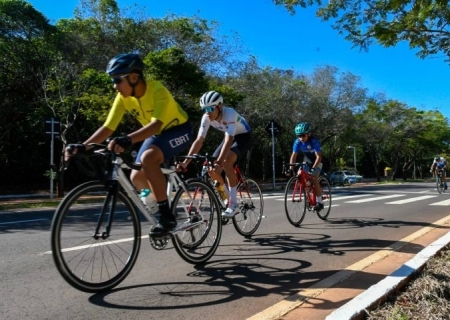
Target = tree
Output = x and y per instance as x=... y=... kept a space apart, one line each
x=423 y=24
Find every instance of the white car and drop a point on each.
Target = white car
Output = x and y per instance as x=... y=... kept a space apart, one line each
x=345 y=177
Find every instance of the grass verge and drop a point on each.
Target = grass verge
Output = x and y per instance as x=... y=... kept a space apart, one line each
x=426 y=296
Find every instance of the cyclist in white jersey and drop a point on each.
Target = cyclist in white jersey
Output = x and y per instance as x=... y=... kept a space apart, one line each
x=440 y=163
x=233 y=147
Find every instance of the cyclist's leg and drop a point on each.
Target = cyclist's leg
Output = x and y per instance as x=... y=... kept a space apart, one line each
x=317 y=187
x=444 y=178
x=238 y=149
x=159 y=149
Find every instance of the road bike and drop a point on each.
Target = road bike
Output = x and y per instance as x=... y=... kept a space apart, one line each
x=96 y=229
x=249 y=197
x=300 y=195
x=439 y=184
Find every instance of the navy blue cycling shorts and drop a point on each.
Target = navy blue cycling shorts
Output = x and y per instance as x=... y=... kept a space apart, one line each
x=240 y=146
x=171 y=141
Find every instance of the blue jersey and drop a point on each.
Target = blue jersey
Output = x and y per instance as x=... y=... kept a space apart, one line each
x=308 y=148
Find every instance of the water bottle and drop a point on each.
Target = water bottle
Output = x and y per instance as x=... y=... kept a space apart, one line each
x=221 y=190
x=149 y=200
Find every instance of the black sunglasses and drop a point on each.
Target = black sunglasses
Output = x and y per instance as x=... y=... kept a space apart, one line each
x=118 y=80
x=301 y=135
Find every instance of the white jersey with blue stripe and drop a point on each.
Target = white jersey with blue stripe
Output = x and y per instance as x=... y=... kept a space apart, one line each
x=440 y=163
x=232 y=123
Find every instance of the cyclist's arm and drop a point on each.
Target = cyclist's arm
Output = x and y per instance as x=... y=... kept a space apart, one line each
x=195 y=148
x=318 y=159
x=293 y=158
x=146 y=131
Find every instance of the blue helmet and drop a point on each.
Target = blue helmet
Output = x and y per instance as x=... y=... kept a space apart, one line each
x=303 y=128
x=125 y=63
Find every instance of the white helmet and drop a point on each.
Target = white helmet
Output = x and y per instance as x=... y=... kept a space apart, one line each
x=211 y=99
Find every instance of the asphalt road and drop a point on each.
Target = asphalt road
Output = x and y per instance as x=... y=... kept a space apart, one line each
x=244 y=277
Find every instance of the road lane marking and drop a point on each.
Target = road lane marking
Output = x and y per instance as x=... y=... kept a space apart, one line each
x=376 y=198
x=21 y=221
x=441 y=203
x=411 y=200
x=105 y=243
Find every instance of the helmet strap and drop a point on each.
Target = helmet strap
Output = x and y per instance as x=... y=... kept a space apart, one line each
x=220 y=112
x=132 y=85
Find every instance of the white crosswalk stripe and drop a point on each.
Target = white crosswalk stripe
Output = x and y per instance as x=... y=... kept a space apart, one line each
x=376 y=198
x=345 y=198
x=441 y=203
x=410 y=200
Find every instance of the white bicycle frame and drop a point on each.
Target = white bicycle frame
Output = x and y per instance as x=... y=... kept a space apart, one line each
x=174 y=182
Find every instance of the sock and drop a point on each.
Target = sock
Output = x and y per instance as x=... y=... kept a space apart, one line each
x=163 y=207
x=233 y=195
x=319 y=199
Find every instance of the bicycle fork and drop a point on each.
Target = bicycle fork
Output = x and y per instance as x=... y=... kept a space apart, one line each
x=108 y=208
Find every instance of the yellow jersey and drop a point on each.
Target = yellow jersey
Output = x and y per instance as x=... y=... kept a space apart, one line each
x=157 y=103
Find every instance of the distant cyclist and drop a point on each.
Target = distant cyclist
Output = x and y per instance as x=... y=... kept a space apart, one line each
x=232 y=148
x=309 y=146
x=439 y=163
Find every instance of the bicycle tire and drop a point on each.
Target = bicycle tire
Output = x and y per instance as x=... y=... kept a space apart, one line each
x=439 y=184
x=293 y=205
x=251 y=208
x=199 y=244
x=86 y=263
x=326 y=197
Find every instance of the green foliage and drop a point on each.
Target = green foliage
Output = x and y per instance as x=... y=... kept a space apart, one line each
x=178 y=74
x=59 y=71
x=424 y=25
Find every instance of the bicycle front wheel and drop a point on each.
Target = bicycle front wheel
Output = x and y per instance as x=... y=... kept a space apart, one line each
x=199 y=206
x=88 y=260
x=295 y=203
x=439 y=184
x=251 y=207
x=326 y=196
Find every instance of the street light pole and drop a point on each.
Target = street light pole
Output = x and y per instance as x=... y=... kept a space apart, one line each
x=354 y=155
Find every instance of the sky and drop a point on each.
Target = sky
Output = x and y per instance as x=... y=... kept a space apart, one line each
x=302 y=42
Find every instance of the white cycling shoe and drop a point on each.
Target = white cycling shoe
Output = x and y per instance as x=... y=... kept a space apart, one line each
x=230 y=212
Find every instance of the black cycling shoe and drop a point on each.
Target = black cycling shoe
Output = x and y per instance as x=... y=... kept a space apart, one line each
x=318 y=207
x=166 y=224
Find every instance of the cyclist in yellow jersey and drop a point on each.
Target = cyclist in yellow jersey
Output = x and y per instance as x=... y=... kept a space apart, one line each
x=166 y=130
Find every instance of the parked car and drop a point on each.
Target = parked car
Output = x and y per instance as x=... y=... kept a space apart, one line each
x=345 y=177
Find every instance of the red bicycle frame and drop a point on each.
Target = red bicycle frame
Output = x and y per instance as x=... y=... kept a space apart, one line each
x=301 y=184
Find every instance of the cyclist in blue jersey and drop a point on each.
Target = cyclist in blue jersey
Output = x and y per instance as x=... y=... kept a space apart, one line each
x=310 y=147
x=439 y=163
x=234 y=146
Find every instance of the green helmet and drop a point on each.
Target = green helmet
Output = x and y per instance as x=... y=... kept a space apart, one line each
x=302 y=128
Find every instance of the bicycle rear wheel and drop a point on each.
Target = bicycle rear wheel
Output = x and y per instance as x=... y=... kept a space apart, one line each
x=93 y=262
x=199 y=204
x=326 y=196
x=295 y=204
x=439 y=184
x=251 y=207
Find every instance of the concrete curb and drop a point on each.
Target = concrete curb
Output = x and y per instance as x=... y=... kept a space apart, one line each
x=376 y=294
